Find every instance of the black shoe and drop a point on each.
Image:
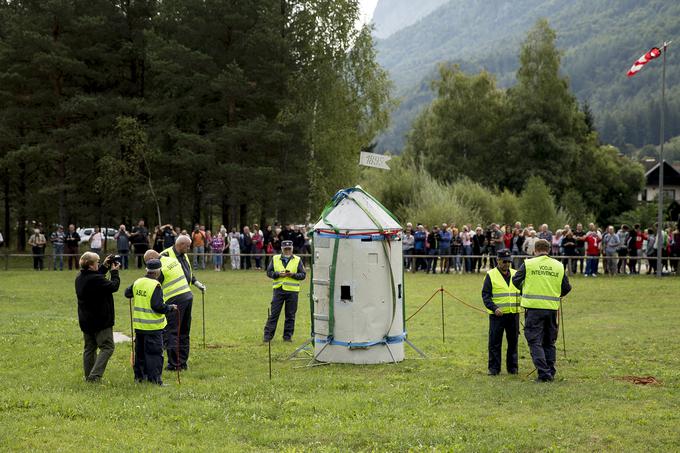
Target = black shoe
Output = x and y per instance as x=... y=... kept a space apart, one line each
x=493 y=373
x=184 y=367
x=546 y=379
x=266 y=340
x=512 y=371
x=287 y=340
x=170 y=368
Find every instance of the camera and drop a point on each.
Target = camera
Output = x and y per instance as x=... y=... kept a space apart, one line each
x=113 y=259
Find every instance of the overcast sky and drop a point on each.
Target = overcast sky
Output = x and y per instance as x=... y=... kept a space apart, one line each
x=367 y=7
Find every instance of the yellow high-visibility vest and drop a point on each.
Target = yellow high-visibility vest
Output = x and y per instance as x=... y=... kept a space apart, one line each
x=174 y=280
x=144 y=318
x=286 y=283
x=542 y=283
x=504 y=295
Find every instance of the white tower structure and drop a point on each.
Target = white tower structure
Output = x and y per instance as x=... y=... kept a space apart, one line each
x=357 y=289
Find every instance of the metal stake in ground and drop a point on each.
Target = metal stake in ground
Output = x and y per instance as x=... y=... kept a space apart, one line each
x=132 y=338
x=179 y=380
x=269 y=345
x=564 y=341
x=203 y=308
x=441 y=290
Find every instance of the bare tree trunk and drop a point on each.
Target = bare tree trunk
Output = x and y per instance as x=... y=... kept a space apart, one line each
x=198 y=198
x=6 y=228
x=63 y=215
x=21 y=227
x=243 y=214
x=225 y=212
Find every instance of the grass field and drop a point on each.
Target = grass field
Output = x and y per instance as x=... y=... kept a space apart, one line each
x=226 y=402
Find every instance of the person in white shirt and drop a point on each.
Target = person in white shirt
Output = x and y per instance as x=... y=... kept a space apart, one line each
x=235 y=251
x=96 y=241
x=529 y=242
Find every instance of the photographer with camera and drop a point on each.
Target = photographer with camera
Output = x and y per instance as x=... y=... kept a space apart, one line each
x=140 y=241
x=96 y=314
x=122 y=238
x=169 y=235
x=198 y=240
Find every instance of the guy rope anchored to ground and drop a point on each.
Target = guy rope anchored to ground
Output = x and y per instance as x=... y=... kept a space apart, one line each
x=444 y=291
x=441 y=290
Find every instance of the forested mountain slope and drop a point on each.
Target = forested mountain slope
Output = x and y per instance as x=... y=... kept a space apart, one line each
x=600 y=39
x=391 y=16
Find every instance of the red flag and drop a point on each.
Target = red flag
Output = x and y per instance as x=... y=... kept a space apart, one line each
x=643 y=60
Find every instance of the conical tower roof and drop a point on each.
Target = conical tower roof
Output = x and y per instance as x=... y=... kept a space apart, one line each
x=354 y=210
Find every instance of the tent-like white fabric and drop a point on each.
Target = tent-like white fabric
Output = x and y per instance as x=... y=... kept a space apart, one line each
x=357 y=291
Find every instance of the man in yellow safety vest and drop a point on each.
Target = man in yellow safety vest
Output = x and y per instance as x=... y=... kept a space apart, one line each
x=543 y=283
x=287 y=271
x=501 y=300
x=148 y=320
x=176 y=279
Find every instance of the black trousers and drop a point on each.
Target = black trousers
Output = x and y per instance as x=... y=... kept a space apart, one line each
x=38 y=257
x=281 y=298
x=149 y=355
x=170 y=334
x=72 y=252
x=140 y=250
x=508 y=323
x=540 y=330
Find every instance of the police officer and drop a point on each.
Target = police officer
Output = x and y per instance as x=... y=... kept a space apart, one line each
x=287 y=271
x=501 y=299
x=148 y=320
x=543 y=283
x=176 y=278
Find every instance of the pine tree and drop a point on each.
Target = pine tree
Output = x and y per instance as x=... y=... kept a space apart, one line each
x=547 y=126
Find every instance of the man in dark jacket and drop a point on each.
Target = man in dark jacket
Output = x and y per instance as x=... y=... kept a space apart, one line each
x=96 y=314
x=176 y=279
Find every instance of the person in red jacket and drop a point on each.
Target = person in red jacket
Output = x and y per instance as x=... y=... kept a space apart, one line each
x=592 y=241
x=640 y=238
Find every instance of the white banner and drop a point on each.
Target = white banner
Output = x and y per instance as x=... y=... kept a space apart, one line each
x=374 y=160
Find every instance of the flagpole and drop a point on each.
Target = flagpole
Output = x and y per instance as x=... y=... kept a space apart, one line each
x=659 y=229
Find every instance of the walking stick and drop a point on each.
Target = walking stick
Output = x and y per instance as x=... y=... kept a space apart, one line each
x=441 y=289
x=179 y=380
x=564 y=341
x=203 y=308
x=269 y=343
x=132 y=337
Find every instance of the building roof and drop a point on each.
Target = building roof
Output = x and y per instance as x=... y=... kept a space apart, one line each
x=671 y=176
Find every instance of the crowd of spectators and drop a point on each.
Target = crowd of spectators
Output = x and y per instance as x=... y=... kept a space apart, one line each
x=440 y=249
x=249 y=248
x=450 y=249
